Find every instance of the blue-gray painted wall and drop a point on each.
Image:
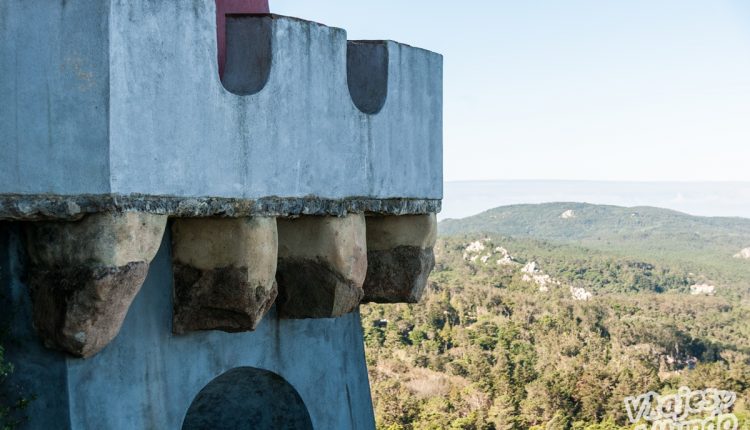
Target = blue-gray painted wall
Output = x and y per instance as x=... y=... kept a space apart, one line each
x=124 y=96
x=147 y=377
x=54 y=88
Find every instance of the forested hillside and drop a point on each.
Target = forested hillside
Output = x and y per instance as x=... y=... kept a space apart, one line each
x=703 y=245
x=516 y=332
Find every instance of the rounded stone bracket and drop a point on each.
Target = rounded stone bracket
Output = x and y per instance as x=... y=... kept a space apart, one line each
x=224 y=272
x=399 y=257
x=84 y=275
x=322 y=265
x=227 y=271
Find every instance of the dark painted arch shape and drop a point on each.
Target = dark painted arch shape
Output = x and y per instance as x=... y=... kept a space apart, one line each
x=233 y=7
x=246 y=398
x=367 y=74
x=249 y=54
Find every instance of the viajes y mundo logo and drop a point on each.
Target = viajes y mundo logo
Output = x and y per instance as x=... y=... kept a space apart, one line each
x=686 y=409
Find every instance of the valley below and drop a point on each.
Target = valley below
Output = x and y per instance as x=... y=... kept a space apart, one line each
x=549 y=316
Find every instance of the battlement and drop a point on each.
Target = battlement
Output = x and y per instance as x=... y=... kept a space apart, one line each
x=124 y=99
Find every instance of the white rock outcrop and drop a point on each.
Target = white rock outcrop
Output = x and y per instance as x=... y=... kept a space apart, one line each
x=568 y=214
x=505 y=261
x=505 y=258
x=744 y=254
x=478 y=251
x=476 y=246
x=699 y=289
x=532 y=273
x=580 y=293
x=530 y=267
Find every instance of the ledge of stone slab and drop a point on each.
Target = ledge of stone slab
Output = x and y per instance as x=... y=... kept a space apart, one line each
x=37 y=207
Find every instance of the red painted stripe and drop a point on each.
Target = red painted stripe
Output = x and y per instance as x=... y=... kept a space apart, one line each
x=225 y=7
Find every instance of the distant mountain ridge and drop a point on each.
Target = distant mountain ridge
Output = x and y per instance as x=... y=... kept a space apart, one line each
x=465 y=198
x=549 y=219
x=708 y=245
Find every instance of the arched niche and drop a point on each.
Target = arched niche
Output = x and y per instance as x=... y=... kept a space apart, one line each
x=247 y=398
x=367 y=74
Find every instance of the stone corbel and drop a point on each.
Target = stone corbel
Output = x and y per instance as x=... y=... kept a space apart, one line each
x=84 y=275
x=224 y=272
x=322 y=265
x=399 y=257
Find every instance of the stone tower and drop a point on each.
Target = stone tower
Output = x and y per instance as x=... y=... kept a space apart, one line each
x=195 y=197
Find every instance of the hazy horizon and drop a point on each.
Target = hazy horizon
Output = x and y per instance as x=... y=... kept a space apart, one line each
x=705 y=198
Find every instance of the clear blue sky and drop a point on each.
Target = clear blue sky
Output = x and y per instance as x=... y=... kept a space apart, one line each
x=596 y=89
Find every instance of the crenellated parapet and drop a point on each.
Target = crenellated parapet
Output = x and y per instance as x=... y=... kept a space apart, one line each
x=122 y=100
x=307 y=175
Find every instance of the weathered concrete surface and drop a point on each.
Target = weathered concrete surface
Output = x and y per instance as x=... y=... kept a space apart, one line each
x=80 y=310
x=322 y=265
x=224 y=272
x=49 y=207
x=134 y=85
x=83 y=275
x=399 y=257
x=387 y=232
x=54 y=88
x=141 y=380
x=300 y=135
x=110 y=239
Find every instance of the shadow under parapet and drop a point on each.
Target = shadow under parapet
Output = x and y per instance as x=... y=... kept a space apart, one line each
x=38 y=379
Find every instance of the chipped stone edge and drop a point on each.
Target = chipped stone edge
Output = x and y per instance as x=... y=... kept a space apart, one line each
x=39 y=207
